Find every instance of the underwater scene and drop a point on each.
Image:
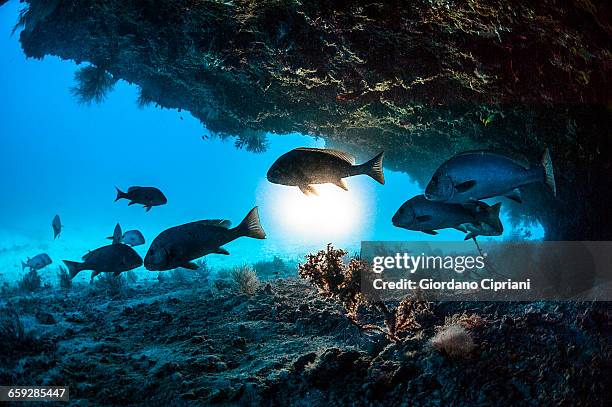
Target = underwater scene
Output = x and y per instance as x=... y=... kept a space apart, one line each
x=236 y=202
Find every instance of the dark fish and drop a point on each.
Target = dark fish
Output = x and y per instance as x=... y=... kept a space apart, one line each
x=131 y=237
x=180 y=245
x=114 y=258
x=56 y=224
x=426 y=216
x=117 y=234
x=480 y=229
x=146 y=196
x=477 y=175
x=304 y=167
x=37 y=262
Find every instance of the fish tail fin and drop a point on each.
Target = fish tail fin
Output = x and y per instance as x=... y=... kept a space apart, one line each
x=549 y=172
x=73 y=267
x=493 y=217
x=251 y=226
x=374 y=168
x=120 y=194
x=23 y=265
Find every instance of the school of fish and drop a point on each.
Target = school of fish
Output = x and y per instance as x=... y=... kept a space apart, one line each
x=453 y=198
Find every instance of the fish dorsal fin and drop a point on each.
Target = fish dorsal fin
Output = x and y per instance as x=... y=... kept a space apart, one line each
x=224 y=223
x=336 y=153
x=130 y=189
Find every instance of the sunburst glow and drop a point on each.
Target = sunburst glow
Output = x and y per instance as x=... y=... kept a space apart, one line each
x=332 y=215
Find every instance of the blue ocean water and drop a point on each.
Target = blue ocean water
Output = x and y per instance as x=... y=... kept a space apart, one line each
x=59 y=157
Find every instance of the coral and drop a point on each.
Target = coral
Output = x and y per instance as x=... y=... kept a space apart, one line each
x=13 y=335
x=107 y=284
x=275 y=268
x=65 y=282
x=203 y=271
x=92 y=84
x=178 y=276
x=253 y=141
x=30 y=282
x=245 y=280
x=453 y=340
x=131 y=277
x=333 y=279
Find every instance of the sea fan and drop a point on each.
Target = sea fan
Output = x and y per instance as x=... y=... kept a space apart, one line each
x=92 y=84
x=245 y=280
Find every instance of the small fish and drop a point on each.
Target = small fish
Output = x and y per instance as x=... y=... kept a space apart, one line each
x=146 y=196
x=303 y=167
x=180 y=245
x=56 y=224
x=480 y=229
x=477 y=175
x=114 y=258
x=131 y=237
x=37 y=262
x=426 y=216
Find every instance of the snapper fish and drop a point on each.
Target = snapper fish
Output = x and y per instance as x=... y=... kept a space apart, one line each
x=476 y=175
x=56 y=224
x=145 y=196
x=180 y=245
x=114 y=258
x=131 y=237
x=305 y=167
x=420 y=214
x=480 y=229
x=37 y=262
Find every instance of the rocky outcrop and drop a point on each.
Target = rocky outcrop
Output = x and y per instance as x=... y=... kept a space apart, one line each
x=421 y=81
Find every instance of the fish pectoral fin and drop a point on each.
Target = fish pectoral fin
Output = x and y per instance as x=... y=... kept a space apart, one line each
x=190 y=265
x=430 y=232
x=515 y=195
x=423 y=218
x=147 y=208
x=131 y=203
x=470 y=235
x=342 y=184
x=308 y=190
x=117 y=273
x=221 y=250
x=465 y=186
x=94 y=273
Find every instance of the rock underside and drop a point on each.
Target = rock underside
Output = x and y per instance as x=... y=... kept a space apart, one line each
x=420 y=81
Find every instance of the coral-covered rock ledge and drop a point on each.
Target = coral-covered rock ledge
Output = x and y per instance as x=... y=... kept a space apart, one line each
x=420 y=80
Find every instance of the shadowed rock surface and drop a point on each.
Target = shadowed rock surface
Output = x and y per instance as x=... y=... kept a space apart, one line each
x=190 y=343
x=421 y=81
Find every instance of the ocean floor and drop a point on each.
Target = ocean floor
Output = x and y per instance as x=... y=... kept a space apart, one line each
x=199 y=342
